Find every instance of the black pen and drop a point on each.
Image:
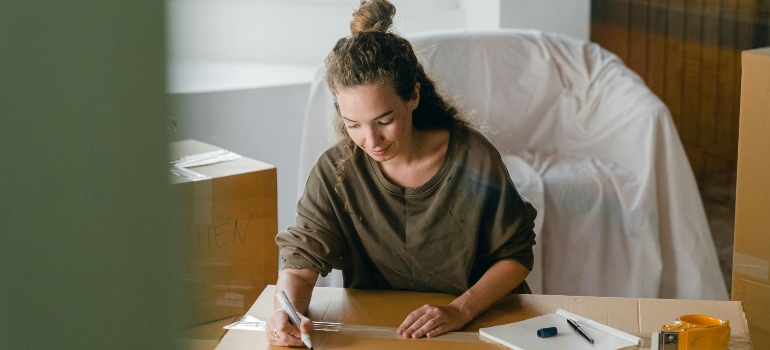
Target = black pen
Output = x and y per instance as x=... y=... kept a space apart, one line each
x=580 y=331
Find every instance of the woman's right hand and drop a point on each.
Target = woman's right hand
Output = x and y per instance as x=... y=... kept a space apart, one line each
x=282 y=333
x=298 y=285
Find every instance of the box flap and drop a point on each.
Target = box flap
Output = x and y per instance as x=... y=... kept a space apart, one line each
x=232 y=167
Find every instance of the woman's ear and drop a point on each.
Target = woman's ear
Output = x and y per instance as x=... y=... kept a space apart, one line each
x=414 y=102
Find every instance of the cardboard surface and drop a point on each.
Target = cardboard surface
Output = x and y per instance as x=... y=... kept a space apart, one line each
x=205 y=336
x=751 y=257
x=225 y=231
x=640 y=317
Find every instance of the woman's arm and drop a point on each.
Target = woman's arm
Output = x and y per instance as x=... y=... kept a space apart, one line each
x=298 y=285
x=499 y=280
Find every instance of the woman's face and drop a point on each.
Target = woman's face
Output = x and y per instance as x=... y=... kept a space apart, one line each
x=377 y=119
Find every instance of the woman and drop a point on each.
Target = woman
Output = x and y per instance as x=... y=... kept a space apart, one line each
x=410 y=198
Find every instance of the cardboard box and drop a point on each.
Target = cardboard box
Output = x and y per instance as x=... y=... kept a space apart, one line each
x=387 y=309
x=225 y=230
x=205 y=336
x=751 y=259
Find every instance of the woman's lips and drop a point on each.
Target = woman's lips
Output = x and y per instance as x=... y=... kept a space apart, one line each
x=379 y=152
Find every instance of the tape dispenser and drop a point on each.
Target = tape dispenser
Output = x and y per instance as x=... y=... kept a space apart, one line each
x=693 y=332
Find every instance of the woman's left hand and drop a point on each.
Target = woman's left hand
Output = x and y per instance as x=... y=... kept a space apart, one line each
x=431 y=321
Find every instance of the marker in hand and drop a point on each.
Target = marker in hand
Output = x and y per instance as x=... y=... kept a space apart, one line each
x=293 y=318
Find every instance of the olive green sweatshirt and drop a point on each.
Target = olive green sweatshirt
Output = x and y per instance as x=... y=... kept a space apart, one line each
x=439 y=237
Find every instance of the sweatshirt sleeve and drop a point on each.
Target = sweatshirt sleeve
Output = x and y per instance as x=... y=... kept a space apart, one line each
x=508 y=219
x=315 y=241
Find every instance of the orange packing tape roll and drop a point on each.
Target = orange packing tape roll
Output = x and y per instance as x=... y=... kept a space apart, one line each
x=701 y=332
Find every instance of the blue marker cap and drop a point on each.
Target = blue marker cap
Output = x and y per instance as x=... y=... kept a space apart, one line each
x=546 y=332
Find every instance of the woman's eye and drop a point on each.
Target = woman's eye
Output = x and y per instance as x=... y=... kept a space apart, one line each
x=386 y=123
x=351 y=126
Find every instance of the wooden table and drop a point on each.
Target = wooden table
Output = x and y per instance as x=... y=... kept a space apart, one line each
x=387 y=309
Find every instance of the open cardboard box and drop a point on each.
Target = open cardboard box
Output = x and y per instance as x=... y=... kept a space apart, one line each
x=387 y=308
x=225 y=230
x=751 y=258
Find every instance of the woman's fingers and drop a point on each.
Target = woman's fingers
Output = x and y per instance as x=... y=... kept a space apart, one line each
x=289 y=329
x=422 y=321
x=411 y=332
x=285 y=336
x=284 y=339
x=407 y=327
x=430 y=324
x=415 y=315
x=271 y=334
x=431 y=321
x=282 y=333
x=305 y=324
x=438 y=330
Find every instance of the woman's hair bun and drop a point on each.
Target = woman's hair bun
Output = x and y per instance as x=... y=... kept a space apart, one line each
x=372 y=16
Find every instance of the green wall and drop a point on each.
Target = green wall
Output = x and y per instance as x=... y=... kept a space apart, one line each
x=85 y=255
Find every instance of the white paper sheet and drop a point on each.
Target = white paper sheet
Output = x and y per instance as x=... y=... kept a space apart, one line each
x=523 y=335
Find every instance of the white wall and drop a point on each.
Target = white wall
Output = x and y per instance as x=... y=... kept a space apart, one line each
x=571 y=17
x=253 y=31
x=481 y=14
x=285 y=32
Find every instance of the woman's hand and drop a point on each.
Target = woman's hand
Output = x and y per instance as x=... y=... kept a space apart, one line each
x=298 y=285
x=282 y=333
x=431 y=321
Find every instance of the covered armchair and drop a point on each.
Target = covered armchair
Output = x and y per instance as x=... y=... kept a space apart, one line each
x=595 y=151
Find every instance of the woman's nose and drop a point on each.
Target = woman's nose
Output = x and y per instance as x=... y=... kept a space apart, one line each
x=372 y=138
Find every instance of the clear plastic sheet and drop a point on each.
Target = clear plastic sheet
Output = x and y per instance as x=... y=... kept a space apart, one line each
x=256 y=324
x=180 y=165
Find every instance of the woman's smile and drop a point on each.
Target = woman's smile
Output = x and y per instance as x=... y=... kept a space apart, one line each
x=379 y=151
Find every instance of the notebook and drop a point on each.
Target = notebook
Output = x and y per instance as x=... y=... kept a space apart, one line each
x=523 y=335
